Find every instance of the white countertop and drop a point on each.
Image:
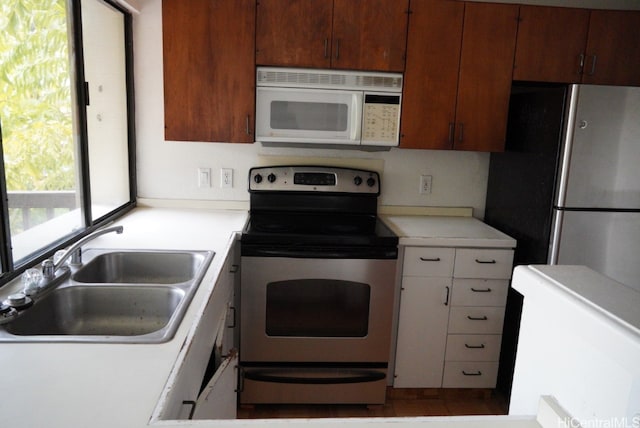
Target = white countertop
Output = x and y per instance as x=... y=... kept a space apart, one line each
x=438 y=231
x=112 y=385
x=118 y=385
x=607 y=298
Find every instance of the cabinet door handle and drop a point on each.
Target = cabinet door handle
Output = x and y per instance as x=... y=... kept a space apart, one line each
x=193 y=407
x=248 y=129
x=233 y=318
x=326 y=48
x=234 y=269
x=425 y=259
x=461 y=135
x=482 y=318
x=446 y=297
x=481 y=346
x=581 y=64
x=338 y=49
x=486 y=262
x=481 y=290
x=593 y=65
x=451 y=131
x=477 y=373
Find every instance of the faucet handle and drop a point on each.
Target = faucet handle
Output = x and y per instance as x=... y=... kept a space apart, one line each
x=57 y=256
x=48 y=269
x=31 y=279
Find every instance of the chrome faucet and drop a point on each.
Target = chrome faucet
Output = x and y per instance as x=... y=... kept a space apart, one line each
x=49 y=268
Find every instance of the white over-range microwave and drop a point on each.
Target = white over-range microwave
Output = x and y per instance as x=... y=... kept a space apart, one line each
x=346 y=108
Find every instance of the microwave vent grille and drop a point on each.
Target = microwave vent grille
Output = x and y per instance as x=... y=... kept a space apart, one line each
x=328 y=79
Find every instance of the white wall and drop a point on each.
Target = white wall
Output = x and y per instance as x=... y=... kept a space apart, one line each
x=168 y=170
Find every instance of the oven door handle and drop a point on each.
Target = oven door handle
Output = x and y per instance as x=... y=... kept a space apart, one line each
x=280 y=376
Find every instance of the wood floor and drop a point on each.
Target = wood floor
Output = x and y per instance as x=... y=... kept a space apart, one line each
x=400 y=403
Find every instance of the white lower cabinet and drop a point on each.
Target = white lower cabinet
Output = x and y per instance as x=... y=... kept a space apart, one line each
x=451 y=317
x=204 y=382
x=423 y=299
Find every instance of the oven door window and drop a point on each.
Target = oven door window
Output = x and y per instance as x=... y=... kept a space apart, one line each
x=317 y=308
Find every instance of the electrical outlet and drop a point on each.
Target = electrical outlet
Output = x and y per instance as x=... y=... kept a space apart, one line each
x=204 y=177
x=425 y=184
x=226 y=178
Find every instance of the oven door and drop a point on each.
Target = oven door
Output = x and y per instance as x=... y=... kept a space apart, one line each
x=287 y=115
x=316 y=310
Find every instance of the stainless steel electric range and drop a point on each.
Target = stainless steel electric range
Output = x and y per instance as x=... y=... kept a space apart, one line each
x=317 y=288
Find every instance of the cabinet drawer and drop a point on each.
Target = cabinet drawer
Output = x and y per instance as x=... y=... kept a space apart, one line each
x=473 y=347
x=483 y=263
x=476 y=320
x=479 y=292
x=428 y=261
x=473 y=374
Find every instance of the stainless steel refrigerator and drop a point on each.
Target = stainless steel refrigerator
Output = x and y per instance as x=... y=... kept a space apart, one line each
x=567 y=188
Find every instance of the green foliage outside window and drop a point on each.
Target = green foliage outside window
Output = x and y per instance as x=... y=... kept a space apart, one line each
x=35 y=95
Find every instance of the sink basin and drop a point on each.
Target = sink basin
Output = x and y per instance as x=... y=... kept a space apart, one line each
x=117 y=296
x=100 y=311
x=141 y=267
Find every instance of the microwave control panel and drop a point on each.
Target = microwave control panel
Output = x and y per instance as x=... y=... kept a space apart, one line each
x=381 y=119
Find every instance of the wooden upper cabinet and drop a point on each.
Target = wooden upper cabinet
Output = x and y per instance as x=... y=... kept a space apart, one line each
x=551 y=44
x=578 y=46
x=369 y=34
x=294 y=33
x=431 y=74
x=209 y=70
x=486 y=68
x=613 y=48
x=344 y=34
x=458 y=76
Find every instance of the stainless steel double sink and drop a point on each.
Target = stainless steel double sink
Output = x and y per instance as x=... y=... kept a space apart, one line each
x=117 y=296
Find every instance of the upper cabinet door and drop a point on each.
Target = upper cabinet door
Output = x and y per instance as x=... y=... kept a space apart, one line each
x=294 y=33
x=484 y=85
x=344 y=34
x=458 y=77
x=613 y=48
x=369 y=34
x=551 y=43
x=209 y=69
x=431 y=75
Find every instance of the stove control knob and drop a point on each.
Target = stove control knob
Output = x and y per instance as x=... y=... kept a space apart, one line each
x=257 y=178
x=271 y=177
x=357 y=180
x=371 y=182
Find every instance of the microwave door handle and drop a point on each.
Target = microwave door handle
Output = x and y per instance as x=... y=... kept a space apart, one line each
x=356 y=117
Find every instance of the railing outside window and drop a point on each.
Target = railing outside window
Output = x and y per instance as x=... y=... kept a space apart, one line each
x=37 y=207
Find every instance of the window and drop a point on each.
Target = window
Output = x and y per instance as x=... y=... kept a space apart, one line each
x=66 y=124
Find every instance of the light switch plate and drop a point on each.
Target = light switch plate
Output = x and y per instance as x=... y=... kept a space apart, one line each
x=204 y=177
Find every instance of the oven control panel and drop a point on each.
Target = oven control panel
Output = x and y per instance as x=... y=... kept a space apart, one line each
x=313 y=179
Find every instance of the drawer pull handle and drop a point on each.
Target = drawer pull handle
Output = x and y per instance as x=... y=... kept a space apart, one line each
x=436 y=259
x=481 y=290
x=482 y=318
x=486 y=262
x=481 y=346
x=478 y=373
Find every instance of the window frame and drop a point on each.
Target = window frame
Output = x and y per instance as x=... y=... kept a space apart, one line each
x=9 y=270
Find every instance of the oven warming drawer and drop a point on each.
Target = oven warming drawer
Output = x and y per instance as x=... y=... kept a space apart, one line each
x=322 y=385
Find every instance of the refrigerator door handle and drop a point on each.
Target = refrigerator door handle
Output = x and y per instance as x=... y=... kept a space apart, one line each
x=556 y=230
x=567 y=142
